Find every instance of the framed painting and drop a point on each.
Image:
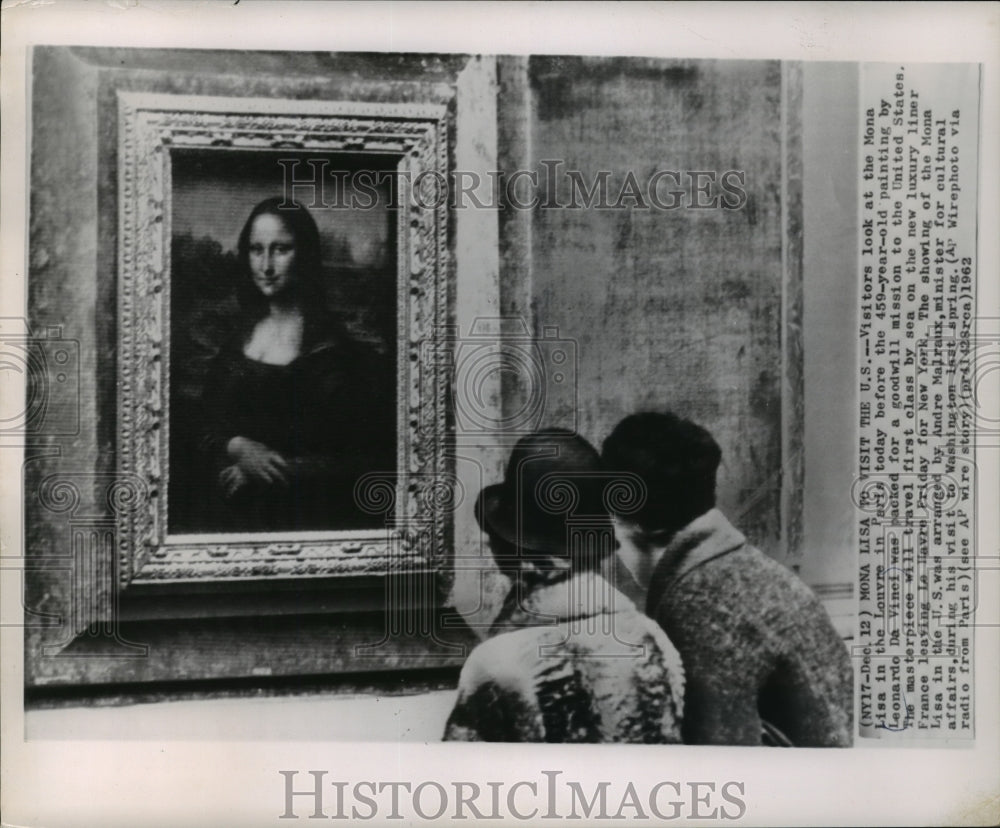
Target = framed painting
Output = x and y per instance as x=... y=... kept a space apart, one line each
x=282 y=273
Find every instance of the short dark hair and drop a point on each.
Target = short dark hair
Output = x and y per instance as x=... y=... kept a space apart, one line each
x=675 y=458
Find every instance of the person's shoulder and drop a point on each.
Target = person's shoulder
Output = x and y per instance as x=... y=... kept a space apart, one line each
x=744 y=562
x=748 y=582
x=698 y=605
x=728 y=585
x=630 y=624
x=505 y=659
x=513 y=647
x=766 y=569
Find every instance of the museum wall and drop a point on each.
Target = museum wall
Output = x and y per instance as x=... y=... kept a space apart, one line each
x=678 y=309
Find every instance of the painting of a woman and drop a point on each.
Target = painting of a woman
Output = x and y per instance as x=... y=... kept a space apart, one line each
x=293 y=409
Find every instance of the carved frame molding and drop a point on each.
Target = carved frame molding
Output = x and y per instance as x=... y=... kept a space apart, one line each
x=417 y=500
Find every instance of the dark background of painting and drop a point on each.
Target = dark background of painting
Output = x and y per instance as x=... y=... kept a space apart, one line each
x=213 y=192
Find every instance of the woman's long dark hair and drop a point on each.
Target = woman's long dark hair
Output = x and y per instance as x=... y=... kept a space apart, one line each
x=319 y=323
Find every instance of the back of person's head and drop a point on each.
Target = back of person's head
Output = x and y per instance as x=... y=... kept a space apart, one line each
x=676 y=460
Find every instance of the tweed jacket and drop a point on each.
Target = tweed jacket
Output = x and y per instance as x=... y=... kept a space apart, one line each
x=755 y=642
x=589 y=667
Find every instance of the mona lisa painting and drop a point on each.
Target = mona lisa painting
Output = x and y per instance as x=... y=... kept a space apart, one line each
x=277 y=289
x=284 y=381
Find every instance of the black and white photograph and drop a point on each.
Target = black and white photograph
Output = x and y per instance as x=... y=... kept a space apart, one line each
x=444 y=429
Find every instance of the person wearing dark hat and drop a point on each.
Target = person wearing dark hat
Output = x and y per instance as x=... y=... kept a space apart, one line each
x=571 y=659
x=762 y=661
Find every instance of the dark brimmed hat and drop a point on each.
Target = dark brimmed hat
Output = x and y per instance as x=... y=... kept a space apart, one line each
x=552 y=476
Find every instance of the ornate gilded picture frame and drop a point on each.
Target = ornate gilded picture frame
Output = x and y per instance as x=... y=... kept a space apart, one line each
x=406 y=145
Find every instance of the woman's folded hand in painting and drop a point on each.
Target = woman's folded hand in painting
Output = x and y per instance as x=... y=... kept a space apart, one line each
x=255 y=461
x=231 y=480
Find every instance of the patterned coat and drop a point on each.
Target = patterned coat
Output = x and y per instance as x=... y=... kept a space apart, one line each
x=589 y=667
x=755 y=642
